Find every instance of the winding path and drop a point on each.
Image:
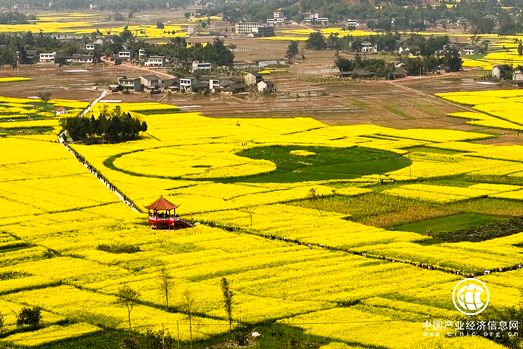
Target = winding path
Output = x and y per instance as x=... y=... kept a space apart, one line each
x=91 y=168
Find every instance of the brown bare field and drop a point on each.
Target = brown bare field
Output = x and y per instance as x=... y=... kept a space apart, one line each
x=307 y=88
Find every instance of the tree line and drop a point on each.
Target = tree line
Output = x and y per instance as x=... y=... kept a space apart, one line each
x=388 y=42
x=107 y=127
x=15 y=18
x=483 y=16
x=178 y=50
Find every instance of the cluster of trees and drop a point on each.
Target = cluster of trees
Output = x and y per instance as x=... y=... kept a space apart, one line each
x=449 y=59
x=15 y=18
x=21 y=42
x=108 y=127
x=388 y=42
x=484 y=16
x=377 y=66
x=178 y=50
x=134 y=5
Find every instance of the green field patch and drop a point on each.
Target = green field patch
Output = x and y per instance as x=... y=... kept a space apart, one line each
x=158 y=111
x=422 y=149
x=19 y=131
x=323 y=163
x=447 y=224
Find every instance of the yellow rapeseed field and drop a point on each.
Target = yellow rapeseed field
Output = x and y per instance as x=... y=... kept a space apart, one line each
x=285 y=263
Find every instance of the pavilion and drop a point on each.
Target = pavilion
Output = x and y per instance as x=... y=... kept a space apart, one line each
x=162 y=214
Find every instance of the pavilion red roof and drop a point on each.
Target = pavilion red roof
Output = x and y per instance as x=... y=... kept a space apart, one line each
x=161 y=204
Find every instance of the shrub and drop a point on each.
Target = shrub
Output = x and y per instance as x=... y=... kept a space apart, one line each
x=118 y=248
x=29 y=317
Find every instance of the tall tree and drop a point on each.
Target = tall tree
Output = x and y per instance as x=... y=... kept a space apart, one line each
x=316 y=41
x=227 y=300
x=128 y=298
x=188 y=303
x=292 y=50
x=165 y=284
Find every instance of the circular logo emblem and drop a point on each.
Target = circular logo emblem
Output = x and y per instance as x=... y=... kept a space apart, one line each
x=471 y=296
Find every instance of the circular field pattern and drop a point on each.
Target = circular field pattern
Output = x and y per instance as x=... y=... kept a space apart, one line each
x=290 y=164
x=302 y=163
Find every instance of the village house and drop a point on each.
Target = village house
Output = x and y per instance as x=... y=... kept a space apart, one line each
x=151 y=82
x=90 y=47
x=31 y=56
x=517 y=76
x=352 y=24
x=61 y=111
x=469 y=50
x=47 y=57
x=81 y=58
x=502 y=71
x=277 y=18
x=316 y=19
x=405 y=52
x=186 y=84
x=128 y=84
x=200 y=66
x=253 y=29
x=214 y=85
x=141 y=54
x=266 y=87
x=368 y=47
x=124 y=55
x=155 y=61
x=232 y=85
x=252 y=78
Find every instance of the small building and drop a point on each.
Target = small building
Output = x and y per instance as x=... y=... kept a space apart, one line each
x=266 y=87
x=469 y=50
x=253 y=29
x=30 y=56
x=252 y=78
x=61 y=111
x=316 y=19
x=369 y=47
x=124 y=55
x=214 y=84
x=352 y=24
x=162 y=215
x=151 y=82
x=129 y=84
x=90 y=47
x=47 y=57
x=155 y=61
x=200 y=66
x=81 y=58
x=496 y=71
x=232 y=86
x=404 y=52
x=398 y=73
x=517 y=76
x=141 y=54
x=185 y=84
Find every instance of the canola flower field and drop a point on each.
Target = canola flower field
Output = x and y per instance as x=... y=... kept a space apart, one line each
x=86 y=23
x=348 y=283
